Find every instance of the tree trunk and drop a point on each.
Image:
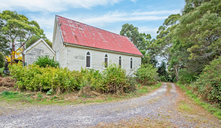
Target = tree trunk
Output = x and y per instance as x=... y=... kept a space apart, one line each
x=176 y=70
x=23 y=56
x=12 y=52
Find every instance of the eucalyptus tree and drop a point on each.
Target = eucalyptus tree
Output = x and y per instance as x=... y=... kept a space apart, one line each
x=191 y=40
x=4 y=45
x=35 y=38
x=18 y=29
x=164 y=41
x=140 y=40
x=199 y=31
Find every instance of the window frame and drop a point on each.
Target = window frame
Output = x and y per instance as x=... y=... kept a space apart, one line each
x=120 y=58
x=131 y=65
x=90 y=59
x=107 y=60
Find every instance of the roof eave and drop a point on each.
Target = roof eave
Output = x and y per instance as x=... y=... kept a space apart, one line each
x=99 y=49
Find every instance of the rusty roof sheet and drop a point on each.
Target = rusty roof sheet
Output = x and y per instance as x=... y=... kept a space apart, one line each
x=81 y=34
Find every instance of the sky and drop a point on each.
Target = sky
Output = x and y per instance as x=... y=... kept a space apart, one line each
x=110 y=15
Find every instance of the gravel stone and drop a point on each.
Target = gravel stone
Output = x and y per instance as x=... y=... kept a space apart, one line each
x=159 y=102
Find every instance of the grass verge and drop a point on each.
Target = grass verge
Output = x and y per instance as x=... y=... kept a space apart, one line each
x=39 y=98
x=138 y=122
x=214 y=110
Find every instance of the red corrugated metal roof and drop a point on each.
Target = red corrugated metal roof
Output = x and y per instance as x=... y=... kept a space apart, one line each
x=81 y=34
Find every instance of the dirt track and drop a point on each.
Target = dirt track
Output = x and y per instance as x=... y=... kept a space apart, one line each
x=164 y=104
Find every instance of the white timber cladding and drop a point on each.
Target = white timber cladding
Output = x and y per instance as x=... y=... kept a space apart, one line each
x=39 y=49
x=77 y=59
x=58 y=46
x=74 y=57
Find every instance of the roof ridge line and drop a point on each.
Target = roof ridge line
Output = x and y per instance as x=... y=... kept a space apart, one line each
x=93 y=26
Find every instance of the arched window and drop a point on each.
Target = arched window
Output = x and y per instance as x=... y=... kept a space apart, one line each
x=105 y=60
x=131 y=63
x=88 y=59
x=120 y=61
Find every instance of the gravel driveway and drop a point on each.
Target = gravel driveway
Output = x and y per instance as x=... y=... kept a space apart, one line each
x=160 y=102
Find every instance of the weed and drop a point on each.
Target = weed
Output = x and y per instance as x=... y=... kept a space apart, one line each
x=9 y=94
x=54 y=97
x=139 y=85
x=49 y=92
x=26 y=98
x=39 y=96
x=184 y=107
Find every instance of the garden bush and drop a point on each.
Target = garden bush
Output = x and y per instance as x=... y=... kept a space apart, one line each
x=115 y=79
x=92 y=78
x=208 y=85
x=35 y=78
x=147 y=74
x=46 y=61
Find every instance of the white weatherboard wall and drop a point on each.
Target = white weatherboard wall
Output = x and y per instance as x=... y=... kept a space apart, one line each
x=40 y=49
x=74 y=57
x=58 y=47
x=77 y=59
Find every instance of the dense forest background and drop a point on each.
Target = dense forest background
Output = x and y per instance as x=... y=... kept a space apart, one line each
x=190 y=44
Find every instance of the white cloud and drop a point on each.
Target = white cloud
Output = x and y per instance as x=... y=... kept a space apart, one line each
x=52 y=5
x=46 y=20
x=118 y=17
x=156 y=12
x=145 y=29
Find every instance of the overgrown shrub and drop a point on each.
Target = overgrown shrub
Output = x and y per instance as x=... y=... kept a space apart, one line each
x=1 y=71
x=2 y=60
x=186 y=77
x=92 y=78
x=36 y=78
x=132 y=84
x=163 y=78
x=208 y=85
x=115 y=79
x=147 y=74
x=46 y=61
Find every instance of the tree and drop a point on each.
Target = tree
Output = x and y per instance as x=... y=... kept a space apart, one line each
x=4 y=46
x=140 y=40
x=148 y=59
x=2 y=60
x=191 y=40
x=163 y=45
x=35 y=38
x=18 y=29
x=162 y=72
